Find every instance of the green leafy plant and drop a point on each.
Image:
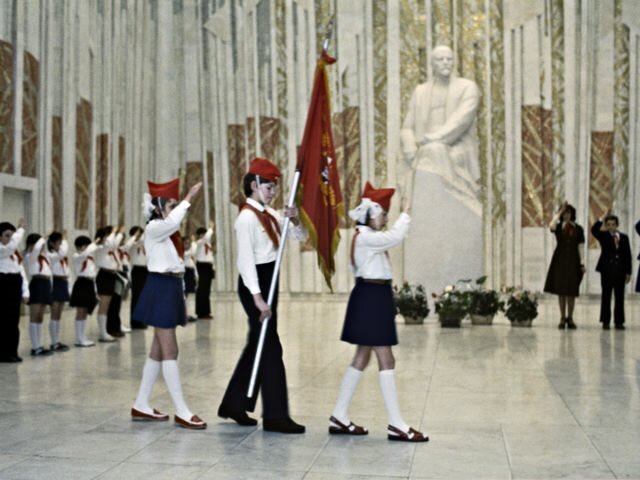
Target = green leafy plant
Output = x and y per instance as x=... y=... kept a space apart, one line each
x=452 y=303
x=521 y=304
x=483 y=301
x=411 y=300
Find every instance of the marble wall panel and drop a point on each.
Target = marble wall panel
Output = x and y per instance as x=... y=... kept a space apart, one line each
x=84 y=119
x=413 y=48
x=601 y=180
x=622 y=69
x=30 y=95
x=272 y=148
x=196 y=216
x=322 y=14
x=210 y=192
x=6 y=107
x=380 y=91
x=442 y=22
x=251 y=138
x=122 y=173
x=498 y=126
x=346 y=128
x=237 y=162
x=102 y=180
x=537 y=166
x=56 y=171
x=557 y=96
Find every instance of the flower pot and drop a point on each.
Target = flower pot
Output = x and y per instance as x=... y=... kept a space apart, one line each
x=450 y=322
x=481 y=319
x=413 y=320
x=522 y=323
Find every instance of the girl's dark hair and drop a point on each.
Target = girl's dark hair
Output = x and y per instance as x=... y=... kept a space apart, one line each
x=201 y=231
x=4 y=226
x=612 y=217
x=159 y=203
x=135 y=229
x=366 y=220
x=246 y=184
x=103 y=232
x=32 y=239
x=571 y=209
x=82 y=241
x=53 y=238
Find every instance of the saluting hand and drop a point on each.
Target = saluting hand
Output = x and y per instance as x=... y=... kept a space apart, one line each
x=193 y=191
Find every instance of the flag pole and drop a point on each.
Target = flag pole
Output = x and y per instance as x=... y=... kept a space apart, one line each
x=283 y=241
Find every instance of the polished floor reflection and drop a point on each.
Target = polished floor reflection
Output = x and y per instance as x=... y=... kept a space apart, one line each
x=498 y=402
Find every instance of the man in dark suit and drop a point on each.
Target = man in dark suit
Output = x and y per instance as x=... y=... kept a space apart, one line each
x=614 y=266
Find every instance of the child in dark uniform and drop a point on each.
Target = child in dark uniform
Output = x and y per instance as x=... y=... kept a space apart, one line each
x=370 y=318
x=84 y=296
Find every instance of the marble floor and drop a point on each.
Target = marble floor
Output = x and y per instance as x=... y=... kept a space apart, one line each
x=498 y=402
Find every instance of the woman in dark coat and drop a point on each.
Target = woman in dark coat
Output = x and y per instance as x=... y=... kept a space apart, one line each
x=566 y=269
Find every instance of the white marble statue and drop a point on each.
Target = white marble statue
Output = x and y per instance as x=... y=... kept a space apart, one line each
x=441 y=174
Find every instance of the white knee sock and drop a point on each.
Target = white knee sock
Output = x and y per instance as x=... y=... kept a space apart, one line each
x=81 y=336
x=102 y=324
x=388 y=387
x=34 y=334
x=54 y=330
x=348 y=387
x=172 y=379
x=149 y=375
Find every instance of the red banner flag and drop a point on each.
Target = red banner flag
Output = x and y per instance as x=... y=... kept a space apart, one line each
x=319 y=198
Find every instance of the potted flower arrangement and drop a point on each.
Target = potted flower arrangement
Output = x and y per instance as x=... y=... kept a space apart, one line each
x=411 y=303
x=452 y=306
x=522 y=307
x=483 y=303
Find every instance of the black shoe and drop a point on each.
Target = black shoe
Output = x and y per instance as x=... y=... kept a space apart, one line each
x=571 y=324
x=281 y=425
x=10 y=359
x=241 y=418
x=40 y=352
x=191 y=319
x=138 y=326
x=605 y=326
x=620 y=327
x=562 y=324
x=59 y=347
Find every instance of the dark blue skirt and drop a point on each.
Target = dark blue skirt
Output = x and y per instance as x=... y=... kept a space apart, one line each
x=40 y=291
x=60 y=289
x=84 y=294
x=370 y=317
x=106 y=282
x=189 y=280
x=161 y=302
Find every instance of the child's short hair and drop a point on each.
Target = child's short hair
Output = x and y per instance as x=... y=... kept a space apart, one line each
x=53 y=238
x=32 y=239
x=82 y=241
x=104 y=231
x=201 y=231
x=4 y=226
x=246 y=184
x=612 y=217
x=134 y=230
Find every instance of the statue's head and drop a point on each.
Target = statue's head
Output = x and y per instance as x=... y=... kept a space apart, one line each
x=442 y=61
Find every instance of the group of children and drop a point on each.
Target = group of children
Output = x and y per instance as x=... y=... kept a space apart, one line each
x=159 y=300
x=104 y=269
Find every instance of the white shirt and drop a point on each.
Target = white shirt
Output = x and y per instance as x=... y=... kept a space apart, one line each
x=84 y=263
x=11 y=260
x=254 y=245
x=135 y=249
x=189 y=255
x=204 y=252
x=371 y=246
x=36 y=262
x=162 y=256
x=106 y=256
x=59 y=260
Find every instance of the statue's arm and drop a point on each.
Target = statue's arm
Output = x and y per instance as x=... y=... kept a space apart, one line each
x=407 y=132
x=460 y=120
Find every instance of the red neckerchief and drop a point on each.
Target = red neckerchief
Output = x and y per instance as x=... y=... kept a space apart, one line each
x=115 y=257
x=569 y=229
x=268 y=222
x=84 y=264
x=17 y=256
x=41 y=261
x=207 y=248
x=176 y=238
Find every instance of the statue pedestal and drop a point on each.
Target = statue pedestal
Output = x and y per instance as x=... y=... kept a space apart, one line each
x=445 y=240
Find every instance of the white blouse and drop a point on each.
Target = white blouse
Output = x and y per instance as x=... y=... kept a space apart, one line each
x=135 y=249
x=59 y=260
x=106 y=256
x=204 y=252
x=254 y=245
x=36 y=262
x=371 y=246
x=9 y=260
x=84 y=263
x=162 y=256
